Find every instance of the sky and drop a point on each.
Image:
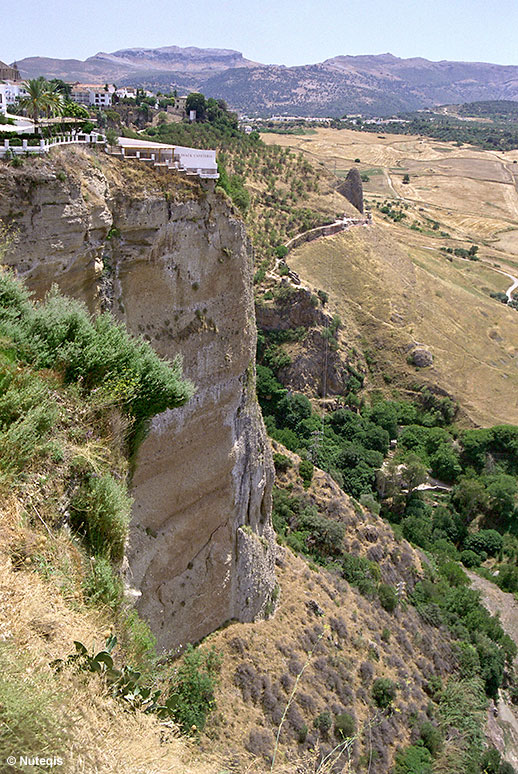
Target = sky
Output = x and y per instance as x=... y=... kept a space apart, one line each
x=289 y=32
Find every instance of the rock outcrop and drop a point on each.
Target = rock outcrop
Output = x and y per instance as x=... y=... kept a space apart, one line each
x=318 y=365
x=422 y=358
x=172 y=261
x=352 y=189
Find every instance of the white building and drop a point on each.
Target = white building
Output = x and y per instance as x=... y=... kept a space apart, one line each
x=126 y=92
x=92 y=94
x=191 y=161
x=9 y=91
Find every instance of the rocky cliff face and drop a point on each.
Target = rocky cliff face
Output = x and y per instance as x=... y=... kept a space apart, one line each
x=173 y=262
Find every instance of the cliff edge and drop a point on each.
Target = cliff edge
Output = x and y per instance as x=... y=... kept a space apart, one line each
x=172 y=260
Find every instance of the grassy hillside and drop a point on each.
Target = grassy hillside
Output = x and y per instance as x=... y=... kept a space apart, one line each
x=308 y=682
x=396 y=282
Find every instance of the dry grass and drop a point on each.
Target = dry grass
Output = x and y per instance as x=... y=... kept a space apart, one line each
x=392 y=282
x=402 y=296
x=40 y=625
x=91 y=731
x=262 y=660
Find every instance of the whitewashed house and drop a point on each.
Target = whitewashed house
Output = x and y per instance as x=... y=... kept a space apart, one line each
x=91 y=94
x=9 y=92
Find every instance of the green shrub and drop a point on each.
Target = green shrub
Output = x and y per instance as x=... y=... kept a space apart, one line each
x=98 y=354
x=470 y=558
x=359 y=572
x=488 y=540
x=324 y=535
x=388 y=597
x=453 y=573
x=306 y=472
x=445 y=464
x=281 y=251
x=507 y=578
x=100 y=511
x=282 y=462
x=431 y=737
x=344 y=725
x=139 y=642
x=25 y=438
x=383 y=692
x=369 y=501
x=323 y=722
x=193 y=688
x=101 y=585
x=413 y=760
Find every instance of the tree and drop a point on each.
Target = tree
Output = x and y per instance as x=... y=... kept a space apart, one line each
x=196 y=101
x=64 y=88
x=488 y=540
x=415 y=471
x=502 y=491
x=41 y=97
x=74 y=110
x=406 y=179
x=445 y=464
x=469 y=496
x=292 y=409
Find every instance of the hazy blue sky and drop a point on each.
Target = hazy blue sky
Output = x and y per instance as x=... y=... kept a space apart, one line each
x=270 y=31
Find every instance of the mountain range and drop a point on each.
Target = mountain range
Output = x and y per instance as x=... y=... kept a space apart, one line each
x=371 y=84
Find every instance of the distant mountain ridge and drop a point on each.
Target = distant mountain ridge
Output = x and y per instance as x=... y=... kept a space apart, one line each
x=371 y=84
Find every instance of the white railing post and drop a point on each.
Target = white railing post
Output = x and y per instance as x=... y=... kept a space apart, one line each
x=6 y=144
x=24 y=144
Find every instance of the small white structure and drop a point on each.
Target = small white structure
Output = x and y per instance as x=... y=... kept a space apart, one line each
x=191 y=161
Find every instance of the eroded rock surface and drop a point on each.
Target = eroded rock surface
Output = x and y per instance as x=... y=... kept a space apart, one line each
x=173 y=262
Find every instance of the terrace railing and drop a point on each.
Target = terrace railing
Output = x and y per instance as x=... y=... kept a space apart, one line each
x=23 y=147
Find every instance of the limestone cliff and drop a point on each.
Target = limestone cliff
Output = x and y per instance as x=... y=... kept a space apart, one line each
x=172 y=261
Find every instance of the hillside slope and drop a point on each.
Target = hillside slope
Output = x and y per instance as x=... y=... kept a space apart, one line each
x=394 y=282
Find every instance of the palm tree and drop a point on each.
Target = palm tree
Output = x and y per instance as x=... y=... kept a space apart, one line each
x=41 y=97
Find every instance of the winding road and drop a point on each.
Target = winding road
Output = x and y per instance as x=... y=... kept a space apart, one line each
x=510 y=290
